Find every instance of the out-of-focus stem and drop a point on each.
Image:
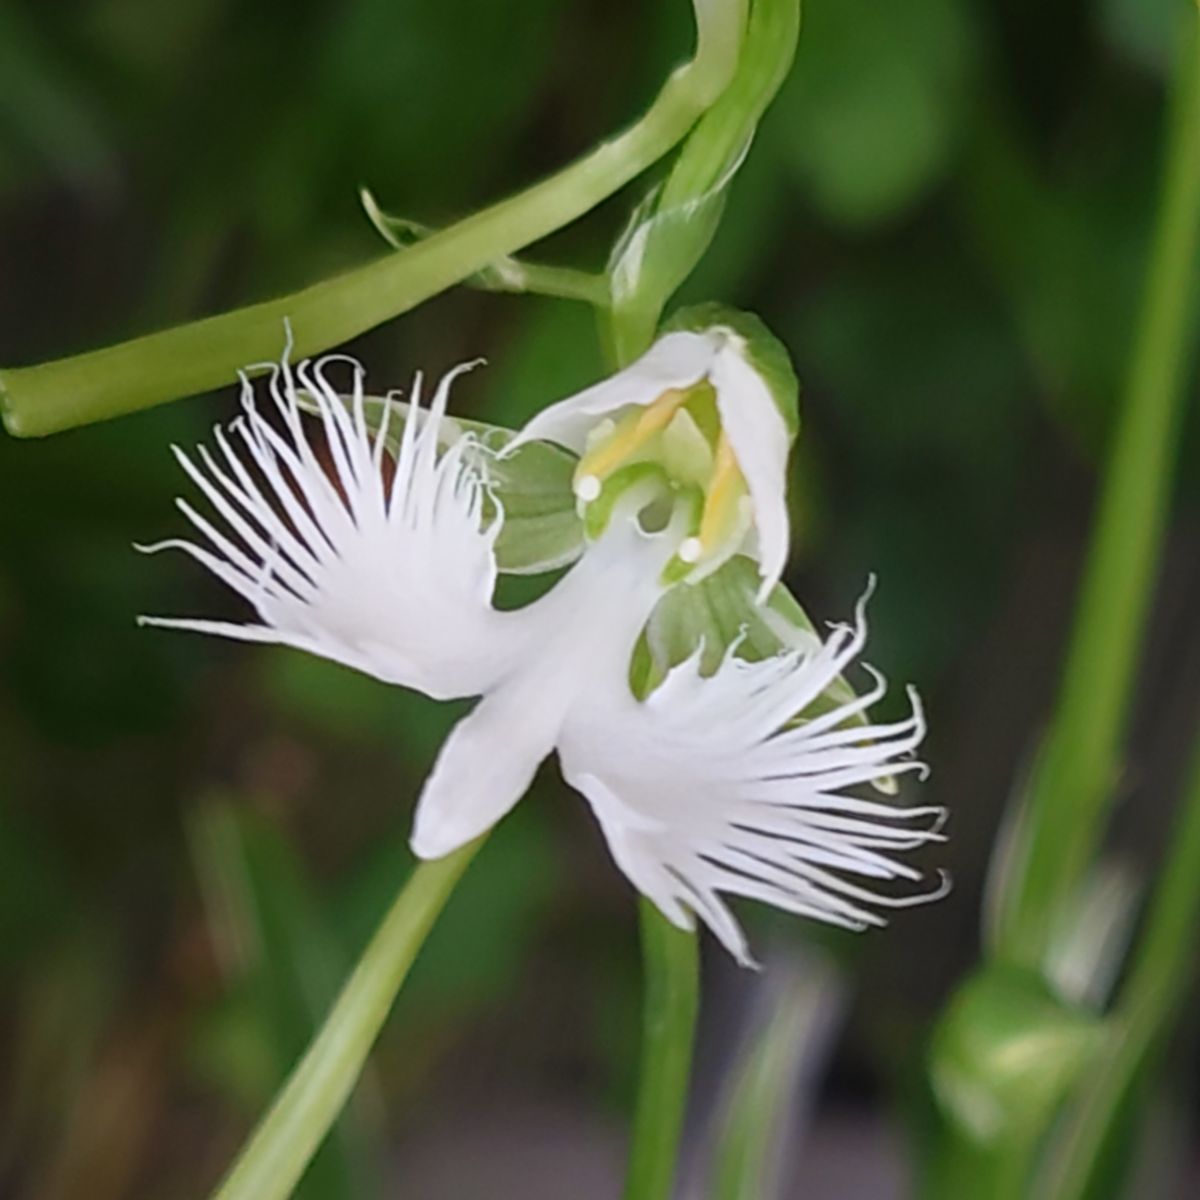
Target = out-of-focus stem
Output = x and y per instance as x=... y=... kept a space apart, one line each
x=672 y=983
x=1163 y=964
x=208 y=353
x=1073 y=781
x=280 y=1149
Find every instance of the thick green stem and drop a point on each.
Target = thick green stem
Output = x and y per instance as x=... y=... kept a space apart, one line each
x=209 y=353
x=1164 y=964
x=668 y=1023
x=1074 y=778
x=274 y=1159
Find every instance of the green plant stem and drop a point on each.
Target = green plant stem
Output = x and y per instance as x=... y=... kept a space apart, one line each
x=1074 y=778
x=506 y=274
x=274 y=1159
x=672 y=972
x=209 y=353
x=1163 y=965
x=673 y=238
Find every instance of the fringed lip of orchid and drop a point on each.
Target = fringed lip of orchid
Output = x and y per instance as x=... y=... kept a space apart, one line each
x=729 y=782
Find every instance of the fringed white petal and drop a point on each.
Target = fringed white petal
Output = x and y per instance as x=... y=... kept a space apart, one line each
x=711 y=788
x=387 y=568
x=676 y=360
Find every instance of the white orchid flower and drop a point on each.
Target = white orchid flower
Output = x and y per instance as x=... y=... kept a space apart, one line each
x=736 y=782
x=710 y=357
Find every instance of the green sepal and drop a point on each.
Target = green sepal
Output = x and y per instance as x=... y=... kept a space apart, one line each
x=1006 y=1054
x=719 y=611
x=542 y=530
x=759 y=346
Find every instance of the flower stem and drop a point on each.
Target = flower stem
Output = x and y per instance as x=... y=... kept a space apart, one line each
x=1073 y=779
x=209 y=353
x=274 y=1159
x=668 y=1023
x=1163 y=965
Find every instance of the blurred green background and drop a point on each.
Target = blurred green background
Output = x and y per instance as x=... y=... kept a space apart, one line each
x=944 y=217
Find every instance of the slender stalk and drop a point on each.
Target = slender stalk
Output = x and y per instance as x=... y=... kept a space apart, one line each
x=1164 y=964
x=280 y=1149
x=206 y=354
x=668 y=1024
x=1074 y=778
x=672 y=239
x=505 y=274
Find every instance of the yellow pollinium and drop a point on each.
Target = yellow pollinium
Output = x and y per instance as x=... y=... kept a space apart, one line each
x=723 y=506
x=627 y=437
x=681 y=432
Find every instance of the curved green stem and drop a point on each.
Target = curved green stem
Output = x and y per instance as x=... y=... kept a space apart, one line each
x=1073 y=781
x=673 y=236
x=280 y=1149
x=1162 y=967
x=209 y=353
x=668 y=1024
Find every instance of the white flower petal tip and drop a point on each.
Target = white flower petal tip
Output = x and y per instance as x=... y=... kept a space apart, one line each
x=485 y=766
x=384 y=565
x=725 y=787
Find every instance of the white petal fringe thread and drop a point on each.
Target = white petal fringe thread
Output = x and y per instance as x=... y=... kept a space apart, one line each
x=716 y=789
x=392 y=578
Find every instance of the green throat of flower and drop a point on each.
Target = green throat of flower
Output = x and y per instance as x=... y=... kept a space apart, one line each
x=676 y=442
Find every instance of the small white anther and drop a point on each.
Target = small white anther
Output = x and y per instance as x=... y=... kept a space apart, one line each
x=587 y=488
x=689 y=550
